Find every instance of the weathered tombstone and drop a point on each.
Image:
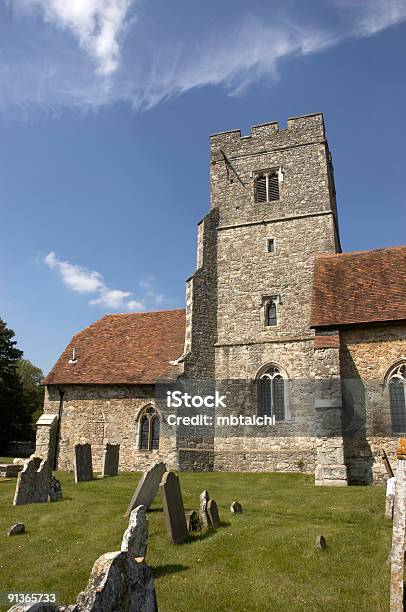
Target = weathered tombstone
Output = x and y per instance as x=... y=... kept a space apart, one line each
x=320 y=542
x=390 y=497
x=236 y=507
x=110 y=460
x=16 y=529
x=213 y=513
x=118 y=582
x=174 y=511
x=82 y=462
x=45 y=444
x=203 y=515
x=398 y=532
x=33 y=482
x=10 y=470
x=55 y=489
x=147 y=487
x=193 y=521
x=135 y=538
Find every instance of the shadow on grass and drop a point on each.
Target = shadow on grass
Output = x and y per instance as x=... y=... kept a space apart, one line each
x=155 y=510
x=170 y=568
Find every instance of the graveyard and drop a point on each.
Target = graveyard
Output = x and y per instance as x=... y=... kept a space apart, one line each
x=262 y=559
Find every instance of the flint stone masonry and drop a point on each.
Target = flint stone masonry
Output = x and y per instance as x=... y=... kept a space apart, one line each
x=33 y=482
x=82 y=463
x=174 y=510
x=213 y=513
x=45 y=445
x=147 y=487
x=135 y=538
x=110 y=460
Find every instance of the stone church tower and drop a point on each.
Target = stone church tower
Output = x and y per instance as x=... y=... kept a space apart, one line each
x=273 y=210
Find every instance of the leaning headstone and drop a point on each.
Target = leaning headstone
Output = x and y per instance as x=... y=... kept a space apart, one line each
x=147 y=487
x=135 y=538
x=236 y=507
x=119 y=582
x=203 y=515
x=16 y=529
x=174 y=511
x=390 y=497
x=55 y=490
x=320 y=542
x=33 y=482
x=193 y=521
x=398 y=532
x=110 y=460
x=82 y=462
x=213 y=513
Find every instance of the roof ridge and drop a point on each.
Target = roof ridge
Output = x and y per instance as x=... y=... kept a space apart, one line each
x=364 y=252
x=143 y=312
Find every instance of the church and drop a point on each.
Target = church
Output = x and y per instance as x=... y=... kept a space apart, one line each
x=303 y=333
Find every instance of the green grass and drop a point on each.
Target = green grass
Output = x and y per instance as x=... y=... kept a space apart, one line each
x=262 y=560
x=6 y=459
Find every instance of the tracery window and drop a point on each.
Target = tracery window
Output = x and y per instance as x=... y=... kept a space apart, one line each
x=149 y=429
x=397 y=397
x=272 y=394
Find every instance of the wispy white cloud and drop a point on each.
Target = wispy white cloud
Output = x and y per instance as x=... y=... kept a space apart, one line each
x=96 y=24
x=81 y=280
x=86 y=53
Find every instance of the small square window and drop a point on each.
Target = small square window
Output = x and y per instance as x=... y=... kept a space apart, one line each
x=270 y=245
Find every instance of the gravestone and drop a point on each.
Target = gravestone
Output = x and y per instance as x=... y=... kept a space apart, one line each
x=10 y=470
x=110 y=460
x=147 y=487
x=135 y=538
x=16 y=529
x=236 y=507
x=203 y=515
x=55 y=489
x=398 y=533
x=213 y=513
x=390 y=497
x=320 y=542
x=193 y=521
x=82 y=463
x=33 y=482
x=174 y=510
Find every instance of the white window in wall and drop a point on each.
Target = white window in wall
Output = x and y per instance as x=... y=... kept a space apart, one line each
x=267 y=185
x=397 y=397
x=272 y=394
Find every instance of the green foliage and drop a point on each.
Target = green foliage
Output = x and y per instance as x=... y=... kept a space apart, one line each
x=21 y=396
x=264 y=559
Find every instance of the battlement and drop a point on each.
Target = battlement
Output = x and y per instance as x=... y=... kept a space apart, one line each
x=299 y=130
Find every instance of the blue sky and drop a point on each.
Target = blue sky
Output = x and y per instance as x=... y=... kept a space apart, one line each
x=106 y=107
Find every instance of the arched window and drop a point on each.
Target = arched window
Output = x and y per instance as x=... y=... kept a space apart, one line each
x=272 y=394
x=149 y=430
x=397 y=397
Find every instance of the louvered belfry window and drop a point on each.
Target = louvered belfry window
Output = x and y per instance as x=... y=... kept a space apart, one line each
x=267 y=186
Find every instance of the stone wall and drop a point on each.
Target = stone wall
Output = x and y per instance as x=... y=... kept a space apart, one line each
x=106 y=413
x=367 y=355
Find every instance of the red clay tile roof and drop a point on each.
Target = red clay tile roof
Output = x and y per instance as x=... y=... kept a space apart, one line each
x=122 y=349
x=359 y=287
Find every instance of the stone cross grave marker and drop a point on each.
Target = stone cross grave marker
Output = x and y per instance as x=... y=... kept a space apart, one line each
x=110 y=460
x=33 y=482
x=147 y=487
x=398 y=532
x=135 y=538
x=213 y=513
x=82 y=462
x=174 y=510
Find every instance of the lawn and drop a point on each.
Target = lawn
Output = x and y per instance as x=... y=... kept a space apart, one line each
x=264 y=559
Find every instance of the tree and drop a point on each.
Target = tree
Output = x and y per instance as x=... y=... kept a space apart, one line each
x=33 y=394
x=11 y=388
